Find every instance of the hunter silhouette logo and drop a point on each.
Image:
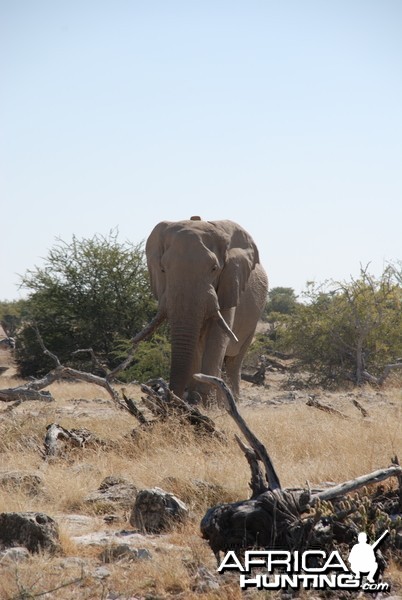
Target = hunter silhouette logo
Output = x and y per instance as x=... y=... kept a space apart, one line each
x=362 y=558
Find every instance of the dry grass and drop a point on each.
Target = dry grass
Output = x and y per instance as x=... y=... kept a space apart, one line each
x=309 y=444
x=305 y=444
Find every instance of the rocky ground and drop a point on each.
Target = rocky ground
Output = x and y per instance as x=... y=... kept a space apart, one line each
x=101 y=549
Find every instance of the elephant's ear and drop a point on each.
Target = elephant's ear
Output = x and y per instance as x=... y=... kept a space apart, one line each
x=154 y=250
x=241 y=258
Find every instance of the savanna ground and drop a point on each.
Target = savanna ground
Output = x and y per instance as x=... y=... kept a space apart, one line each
x=305 y=444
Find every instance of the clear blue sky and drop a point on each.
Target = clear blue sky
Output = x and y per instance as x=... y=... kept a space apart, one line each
x=285 y=116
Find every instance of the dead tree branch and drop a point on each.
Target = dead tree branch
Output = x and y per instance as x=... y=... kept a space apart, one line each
x=312 y=401
x=350 y=486
x=31 y=390
x=395 y=461
x=254 y=442
x=360 y=407
x=163 y=403
x=134 y=410
x=95 y=360
x=42 y=345
x=266 y=362
x=258 y=483
x=159 y=398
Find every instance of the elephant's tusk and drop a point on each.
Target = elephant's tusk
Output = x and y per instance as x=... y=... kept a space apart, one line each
x=222 y=323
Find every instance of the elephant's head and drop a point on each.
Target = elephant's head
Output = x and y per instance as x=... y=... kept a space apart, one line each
x=198 y=269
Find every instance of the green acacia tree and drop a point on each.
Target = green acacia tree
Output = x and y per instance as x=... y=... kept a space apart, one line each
x=281 y=300
x=90 y=292
x=350 y=332
x=11 y=314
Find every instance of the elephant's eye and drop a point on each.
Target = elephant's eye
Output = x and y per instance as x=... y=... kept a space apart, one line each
x=162 y=269
x=215 y=268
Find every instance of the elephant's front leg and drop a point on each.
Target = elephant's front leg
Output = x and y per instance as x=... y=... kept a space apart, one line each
x=214 y=349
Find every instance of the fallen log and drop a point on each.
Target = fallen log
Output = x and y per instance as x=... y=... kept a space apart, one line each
x=285 y=519
x=78 y=438
x=266 y=362
x=312 y=401
x=258 y=377
x=384 y=375
x=54 y=432
x=23 y=394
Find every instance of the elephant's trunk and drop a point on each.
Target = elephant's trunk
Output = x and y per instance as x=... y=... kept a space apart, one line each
x=184 y=343
x=186 y=325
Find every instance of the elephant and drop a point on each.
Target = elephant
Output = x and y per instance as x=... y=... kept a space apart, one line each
x=211 y=287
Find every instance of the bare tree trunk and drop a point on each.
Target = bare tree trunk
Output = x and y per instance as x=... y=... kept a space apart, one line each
x=359 y=360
